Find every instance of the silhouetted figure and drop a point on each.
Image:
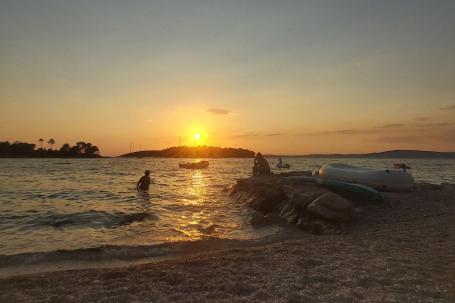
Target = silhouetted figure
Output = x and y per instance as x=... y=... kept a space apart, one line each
x=144 y=181
x=261 y=166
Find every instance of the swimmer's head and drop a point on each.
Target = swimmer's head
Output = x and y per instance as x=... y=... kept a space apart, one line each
x=147 y=172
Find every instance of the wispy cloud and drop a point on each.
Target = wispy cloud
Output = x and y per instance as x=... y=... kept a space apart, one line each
x=398 y=139
x=422 y=119
x=343 y=132
x=437 y=124
x=244 y=135
x=254 y=134
x=395 y=125
x=218 y=111
x=450 y=107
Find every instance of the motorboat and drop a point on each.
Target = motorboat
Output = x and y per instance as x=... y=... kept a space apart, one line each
x=194 y=165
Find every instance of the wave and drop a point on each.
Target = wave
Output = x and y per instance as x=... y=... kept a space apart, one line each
x=127 y=252
x=90 y=218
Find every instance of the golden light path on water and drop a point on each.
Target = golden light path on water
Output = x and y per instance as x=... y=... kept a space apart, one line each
x=196 y=191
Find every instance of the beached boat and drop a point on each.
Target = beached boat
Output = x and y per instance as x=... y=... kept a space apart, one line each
x=385 y=180
x=194 y=165
x=345 y=189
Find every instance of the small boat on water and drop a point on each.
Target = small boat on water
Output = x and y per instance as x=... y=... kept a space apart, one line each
x=194 y=165
x=281 y=164
x=397 y=180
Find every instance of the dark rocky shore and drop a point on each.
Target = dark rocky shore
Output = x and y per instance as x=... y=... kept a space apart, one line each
x=351 y=250
x=320 y=210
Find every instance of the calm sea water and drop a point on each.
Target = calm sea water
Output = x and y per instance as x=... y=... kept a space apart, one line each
x=51 y=204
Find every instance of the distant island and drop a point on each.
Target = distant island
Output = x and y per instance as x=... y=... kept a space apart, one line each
x=391 y=154
x=193 y=152
x=28 y=150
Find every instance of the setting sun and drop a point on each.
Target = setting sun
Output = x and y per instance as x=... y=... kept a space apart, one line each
x=197 y=136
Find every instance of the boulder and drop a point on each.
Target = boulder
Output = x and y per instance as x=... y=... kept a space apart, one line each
x=332 y=207
x=261 y=193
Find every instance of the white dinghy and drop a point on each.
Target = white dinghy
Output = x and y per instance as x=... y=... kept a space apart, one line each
x=384 y=180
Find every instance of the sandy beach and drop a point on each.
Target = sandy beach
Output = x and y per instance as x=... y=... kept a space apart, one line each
x=400 y=251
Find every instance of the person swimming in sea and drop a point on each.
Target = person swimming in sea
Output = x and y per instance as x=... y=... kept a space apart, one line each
x=144 y=181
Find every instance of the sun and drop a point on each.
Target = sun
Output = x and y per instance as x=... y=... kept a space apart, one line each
x=197 y=136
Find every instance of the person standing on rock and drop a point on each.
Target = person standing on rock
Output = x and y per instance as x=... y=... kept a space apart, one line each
x=261 y=166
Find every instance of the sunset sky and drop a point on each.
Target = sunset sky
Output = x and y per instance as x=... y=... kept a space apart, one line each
x=289 y=77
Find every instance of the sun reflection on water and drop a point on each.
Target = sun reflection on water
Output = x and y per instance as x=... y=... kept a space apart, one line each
x=196 y=224
x=197 y=189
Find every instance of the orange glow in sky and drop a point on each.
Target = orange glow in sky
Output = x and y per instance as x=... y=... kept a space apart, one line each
x=282 y=77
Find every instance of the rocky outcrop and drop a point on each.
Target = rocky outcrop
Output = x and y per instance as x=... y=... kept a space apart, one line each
x=332 y=207
x=306 y=205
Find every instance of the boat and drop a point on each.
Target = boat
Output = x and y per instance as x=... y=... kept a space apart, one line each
x=194 y=165
x=395 y=180
x=280 y=164
x=345 y=189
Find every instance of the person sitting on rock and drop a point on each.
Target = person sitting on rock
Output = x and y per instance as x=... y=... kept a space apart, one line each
x=261 y=166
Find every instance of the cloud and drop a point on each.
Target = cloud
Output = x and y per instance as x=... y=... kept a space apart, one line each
x=437 y=124
x=450 y=107
x=422 y=119
x=343 y=132
x=218 y=111
x=391 y=125
x=399 y=139
x=274 y=134
x=244 y=135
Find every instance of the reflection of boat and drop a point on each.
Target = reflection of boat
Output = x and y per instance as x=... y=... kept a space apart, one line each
x=387 y=180
x=194 y=165
x=283 y=165
x=401 y=166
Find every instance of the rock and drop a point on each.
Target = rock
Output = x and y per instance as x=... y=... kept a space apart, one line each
x=266 y=199
x=332 y=207
x=301 y=223
x=262 y=193
x=297 y=173
x=259 y=219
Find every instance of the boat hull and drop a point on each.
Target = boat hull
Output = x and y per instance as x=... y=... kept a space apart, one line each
x=394 y=180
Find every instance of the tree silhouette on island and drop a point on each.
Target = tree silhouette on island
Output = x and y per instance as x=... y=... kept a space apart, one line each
x=27 y=150
x=194 y=152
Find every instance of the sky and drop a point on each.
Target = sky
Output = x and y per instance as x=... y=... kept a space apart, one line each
x=282 y=77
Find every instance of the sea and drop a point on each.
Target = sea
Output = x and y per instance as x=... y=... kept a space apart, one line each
x=49 y=205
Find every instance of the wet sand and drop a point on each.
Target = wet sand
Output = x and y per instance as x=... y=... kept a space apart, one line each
x=400 y=251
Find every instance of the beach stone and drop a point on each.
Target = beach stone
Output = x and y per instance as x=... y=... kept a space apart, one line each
x=332 y=207
x=259 y=219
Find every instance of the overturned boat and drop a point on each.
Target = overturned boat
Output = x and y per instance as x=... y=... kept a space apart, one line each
x=194 y=165
x=396 y=180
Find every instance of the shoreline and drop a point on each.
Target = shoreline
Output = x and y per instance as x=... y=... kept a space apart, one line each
x=394 y=262
x=398 y=251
